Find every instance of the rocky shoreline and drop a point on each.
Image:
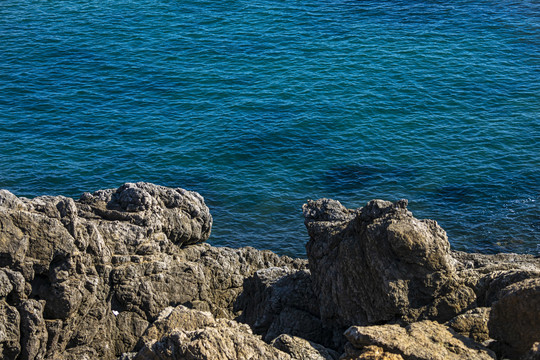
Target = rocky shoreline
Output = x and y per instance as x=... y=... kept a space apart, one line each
x=125 y=274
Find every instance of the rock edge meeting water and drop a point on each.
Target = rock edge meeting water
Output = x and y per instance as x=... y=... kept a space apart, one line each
x=261 y=105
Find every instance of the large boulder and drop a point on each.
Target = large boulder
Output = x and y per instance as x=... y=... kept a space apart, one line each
x=515 y=317
x=424 y=340
x=167 y=215
x=85 y=278
x=279 y=300
x=380 y=264
x=181 y=333
x=472 y=324
x=302 y=349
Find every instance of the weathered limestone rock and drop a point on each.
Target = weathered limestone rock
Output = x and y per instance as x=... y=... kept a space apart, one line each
x=370 y=352
x=422 y=340
x=488 y=275
x=10 y=346
x=104 y=276
x=84 y=279
x=167 y=215
x=280 y=301
x=472 y=323
x=182 y=333
x=34 y=332
x=301 y=349
x=379 y=263
x=515 y=318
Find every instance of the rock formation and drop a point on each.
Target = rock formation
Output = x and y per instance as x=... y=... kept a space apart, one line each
x=424 y=340
x=380 y=264
x=515 y=317
x=85 y=279
x=125 y=274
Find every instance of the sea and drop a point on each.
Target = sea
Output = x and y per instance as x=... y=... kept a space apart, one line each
x=260 y=105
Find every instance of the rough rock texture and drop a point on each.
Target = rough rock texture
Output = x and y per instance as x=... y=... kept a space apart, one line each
x=84 y=279
x=380 y=263
x=302 y=349
x=515 y=318
x=473 y=324
x=281 y=300
x=488 y=275
x=182 y=333
x=105 y=276
x=370 y=352
x=422 y=340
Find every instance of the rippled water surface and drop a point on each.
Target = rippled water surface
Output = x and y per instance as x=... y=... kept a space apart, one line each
x=262 y=104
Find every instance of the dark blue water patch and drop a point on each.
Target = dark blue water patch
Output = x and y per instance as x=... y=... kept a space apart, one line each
x=359 y=176
x=455 y=194
x=256 y=105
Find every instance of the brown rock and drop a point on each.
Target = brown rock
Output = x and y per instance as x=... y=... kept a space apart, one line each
x=422 y=340
x=370 y=352
x=301 y=349
x=182 y=333
x=10 y=346
x=380 y=263
x=279 y=300
x=473 y=324
x=33 y=330
x=515 y=318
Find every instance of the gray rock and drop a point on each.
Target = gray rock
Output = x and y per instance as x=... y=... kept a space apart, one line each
x=472 y=323
x=279 y=301
x=34 y=334
x=103 y=277
x=515 y=317
x=301 y=349
x=380 y=264
x=181 y=333
x=180 y=215
x=84 y=279
x=10 y=346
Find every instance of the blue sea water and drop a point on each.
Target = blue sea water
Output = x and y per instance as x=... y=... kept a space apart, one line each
x=260 y=105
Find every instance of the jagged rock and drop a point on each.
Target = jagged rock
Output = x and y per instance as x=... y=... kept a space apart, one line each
x=280 y=301
x=90 y=278
x=182 y=333
x=33 y=330
x=131 y=327
x=301 y=349
x=10 y=346
x=421 y=340
x=489 y=274
x=515 y=318
x=379 y=263
x=473 y=324
x=103 y=267
x=370 y=352
x=180 y=215
x=211 y=278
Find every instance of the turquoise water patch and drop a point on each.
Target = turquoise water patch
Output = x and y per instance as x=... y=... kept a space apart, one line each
x=261 y=105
